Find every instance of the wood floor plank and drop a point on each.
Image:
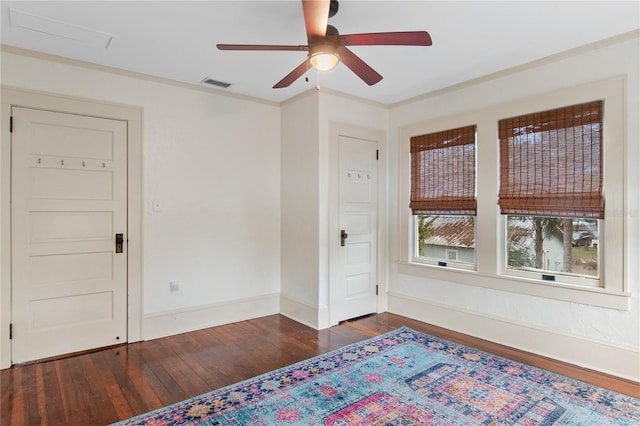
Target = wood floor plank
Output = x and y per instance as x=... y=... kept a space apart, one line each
x=31 y=396
x=114 y=384
x=51 y=391
x=154 y=356
x=73 y=410
x=84 y=391
x=40 y=396
x=16 y=415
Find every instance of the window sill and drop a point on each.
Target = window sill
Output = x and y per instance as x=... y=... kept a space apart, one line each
x=552 y=290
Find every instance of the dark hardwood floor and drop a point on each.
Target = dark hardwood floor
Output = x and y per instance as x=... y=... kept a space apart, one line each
x=117 y=383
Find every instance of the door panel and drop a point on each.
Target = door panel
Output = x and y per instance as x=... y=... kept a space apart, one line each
x=69 y=184
x=355 y=266
x=69 y=289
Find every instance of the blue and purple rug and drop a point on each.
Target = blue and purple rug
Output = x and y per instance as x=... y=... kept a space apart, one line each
x=403 y=378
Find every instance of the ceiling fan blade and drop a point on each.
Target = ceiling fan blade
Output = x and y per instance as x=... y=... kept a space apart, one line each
x=293 y=75
x=358 y=66
x=269 y=47
x=403 y=38
x=316 y=16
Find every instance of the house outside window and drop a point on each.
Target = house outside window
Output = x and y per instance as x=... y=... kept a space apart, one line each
x=538 y=244
x=443 y=197
x=446 y=238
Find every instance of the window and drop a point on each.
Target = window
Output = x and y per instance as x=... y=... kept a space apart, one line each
x=504 y=237
x=551 y=191
x=443 y=196
x=452 y=254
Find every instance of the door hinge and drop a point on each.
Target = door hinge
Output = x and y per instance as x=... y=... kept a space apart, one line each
x=376 y=154
x=11 y=124
x=10 y=331
x=376 y=289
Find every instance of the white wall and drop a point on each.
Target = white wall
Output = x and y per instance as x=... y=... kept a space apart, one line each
x=300 y=209
x=212 y=164
x=516 y=319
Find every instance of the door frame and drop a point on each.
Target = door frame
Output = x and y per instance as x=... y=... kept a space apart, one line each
x=10 y=97
x=336 y=130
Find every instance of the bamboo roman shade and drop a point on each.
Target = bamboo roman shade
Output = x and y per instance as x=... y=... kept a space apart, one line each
x=443 y=172
x=551 y=163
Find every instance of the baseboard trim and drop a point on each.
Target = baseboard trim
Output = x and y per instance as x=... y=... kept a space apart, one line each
x=168 y=323
x=609 y=358
x=303 y=312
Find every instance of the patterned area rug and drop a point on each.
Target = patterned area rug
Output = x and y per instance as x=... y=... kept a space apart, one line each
x=403 y=378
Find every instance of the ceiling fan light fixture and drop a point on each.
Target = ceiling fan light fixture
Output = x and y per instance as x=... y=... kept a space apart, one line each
x=324 y=61
x=324 y=57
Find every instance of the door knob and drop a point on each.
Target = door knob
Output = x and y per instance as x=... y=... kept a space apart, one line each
x=343 y=236
x=119 y=242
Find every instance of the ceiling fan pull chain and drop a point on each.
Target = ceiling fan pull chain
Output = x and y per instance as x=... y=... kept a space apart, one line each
x=318 y=85
x=306 y=77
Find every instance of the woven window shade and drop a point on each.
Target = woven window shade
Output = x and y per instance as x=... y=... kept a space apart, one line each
x=443 y=172
x=551 y=163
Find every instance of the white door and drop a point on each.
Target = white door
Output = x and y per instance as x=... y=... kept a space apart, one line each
x=354 y=277
x=68 y=202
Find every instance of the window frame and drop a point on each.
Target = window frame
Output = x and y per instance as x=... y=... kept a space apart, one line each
x=455 y=201
x=566 y=278
x=491 y=248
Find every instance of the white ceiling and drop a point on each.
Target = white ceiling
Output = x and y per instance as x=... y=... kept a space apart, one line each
x=177 y=39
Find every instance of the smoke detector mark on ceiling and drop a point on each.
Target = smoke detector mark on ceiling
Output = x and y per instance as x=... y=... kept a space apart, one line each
x=74 y=33
x=213 y=82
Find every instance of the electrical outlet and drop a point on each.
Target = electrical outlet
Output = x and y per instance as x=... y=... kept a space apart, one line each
x=174 y=286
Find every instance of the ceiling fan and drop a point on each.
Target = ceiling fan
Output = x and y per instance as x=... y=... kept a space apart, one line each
x=326 y=47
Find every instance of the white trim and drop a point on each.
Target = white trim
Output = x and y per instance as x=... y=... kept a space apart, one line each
x=168 y=323
x=618 y=360
x=53 y=102
x=298 y=310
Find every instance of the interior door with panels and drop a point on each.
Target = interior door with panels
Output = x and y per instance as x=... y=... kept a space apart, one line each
x=69 y=228
x=355 y=274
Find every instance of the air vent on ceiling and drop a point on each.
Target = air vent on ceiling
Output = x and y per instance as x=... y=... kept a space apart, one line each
x=213 y=82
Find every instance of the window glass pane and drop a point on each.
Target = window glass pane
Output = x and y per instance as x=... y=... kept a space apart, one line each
x=446 y=238
x=554 y=245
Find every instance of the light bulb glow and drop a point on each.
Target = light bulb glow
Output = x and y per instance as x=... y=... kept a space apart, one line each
x=324 y=61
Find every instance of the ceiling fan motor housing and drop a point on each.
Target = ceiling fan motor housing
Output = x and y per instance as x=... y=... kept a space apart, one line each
x=333 y=8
